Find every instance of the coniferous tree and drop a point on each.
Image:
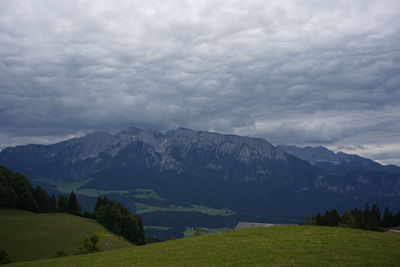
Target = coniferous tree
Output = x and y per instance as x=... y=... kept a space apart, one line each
x=367 y=218
x=42 y=199
x=397 y=219
x=325 y=219
x=317 y=219
x=330 y=218
x=374 y=218
x=348 y=220
x=73 y=206
x=120 y=220
x=53 y=203
x=388 y=218
x=358 y=216
x=62 y=203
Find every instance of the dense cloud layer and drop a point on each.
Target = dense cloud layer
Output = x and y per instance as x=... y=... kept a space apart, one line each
x=293 y=72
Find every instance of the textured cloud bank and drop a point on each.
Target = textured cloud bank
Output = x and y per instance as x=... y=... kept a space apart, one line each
x=293 y=72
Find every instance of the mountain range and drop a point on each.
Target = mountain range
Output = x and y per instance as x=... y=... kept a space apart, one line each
x=183 y=178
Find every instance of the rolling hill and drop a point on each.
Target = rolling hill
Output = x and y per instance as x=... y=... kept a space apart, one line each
x=28 y=236
x=276 y=246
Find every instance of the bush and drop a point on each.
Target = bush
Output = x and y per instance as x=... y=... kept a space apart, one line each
x=60 y=253
x=90 y=244
x=4 y=257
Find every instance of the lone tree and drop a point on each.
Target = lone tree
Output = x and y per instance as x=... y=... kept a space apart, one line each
x=199 y=232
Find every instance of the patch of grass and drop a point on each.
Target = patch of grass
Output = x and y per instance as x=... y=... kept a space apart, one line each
x=67 y=188
x=91 y=192
x=164 y=228
x=140 y=193
x=28 y=236
x=145 y=194
x=144 y=208
x=189 y=232
x=274 y=246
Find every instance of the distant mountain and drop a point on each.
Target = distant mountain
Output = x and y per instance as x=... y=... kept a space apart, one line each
x=184 y=178
x=339 y=162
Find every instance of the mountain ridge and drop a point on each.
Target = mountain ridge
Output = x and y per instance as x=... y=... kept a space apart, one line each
x=183 y=167
x=343 y=163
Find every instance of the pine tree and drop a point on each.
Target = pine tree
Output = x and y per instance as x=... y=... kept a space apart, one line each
x=53 y=203
x=120 y=220
x=397 y=219
x=62 y=203
x=73 y=206
x=358 y=216
x=334 y=218
x=348 y=220
x=367 y=220
x=318 y=219
x=374 y=218
x=388 y=218
x=42 y=199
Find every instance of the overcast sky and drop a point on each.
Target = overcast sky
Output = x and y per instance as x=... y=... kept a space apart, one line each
x=293 y=72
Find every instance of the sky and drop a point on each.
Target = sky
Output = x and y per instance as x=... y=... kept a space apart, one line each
x=311 y=72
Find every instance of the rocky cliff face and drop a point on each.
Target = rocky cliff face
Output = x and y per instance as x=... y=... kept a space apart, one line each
x=96 y=149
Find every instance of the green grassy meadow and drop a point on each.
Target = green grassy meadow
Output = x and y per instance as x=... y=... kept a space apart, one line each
x=28 y=236
x=144 y=208
x=140 y=193
x=274 y=246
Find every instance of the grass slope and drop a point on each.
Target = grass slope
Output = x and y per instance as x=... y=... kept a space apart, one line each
x=285 y=245
x=28 y=236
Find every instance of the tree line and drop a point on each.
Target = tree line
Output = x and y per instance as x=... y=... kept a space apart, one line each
x=17 y=192
x=367 y=219
x=118 y=219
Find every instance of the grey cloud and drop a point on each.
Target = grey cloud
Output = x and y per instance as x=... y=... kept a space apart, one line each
x=316 y=72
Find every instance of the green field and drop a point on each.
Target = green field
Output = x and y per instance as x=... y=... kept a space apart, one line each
x=140 y=193
x=165 y=228
x=67 y=188
x=276 y=246
x=143 y=208
x=27 y=236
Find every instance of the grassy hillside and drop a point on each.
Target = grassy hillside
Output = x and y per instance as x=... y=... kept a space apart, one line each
x=28 y=236
x=285 y=245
